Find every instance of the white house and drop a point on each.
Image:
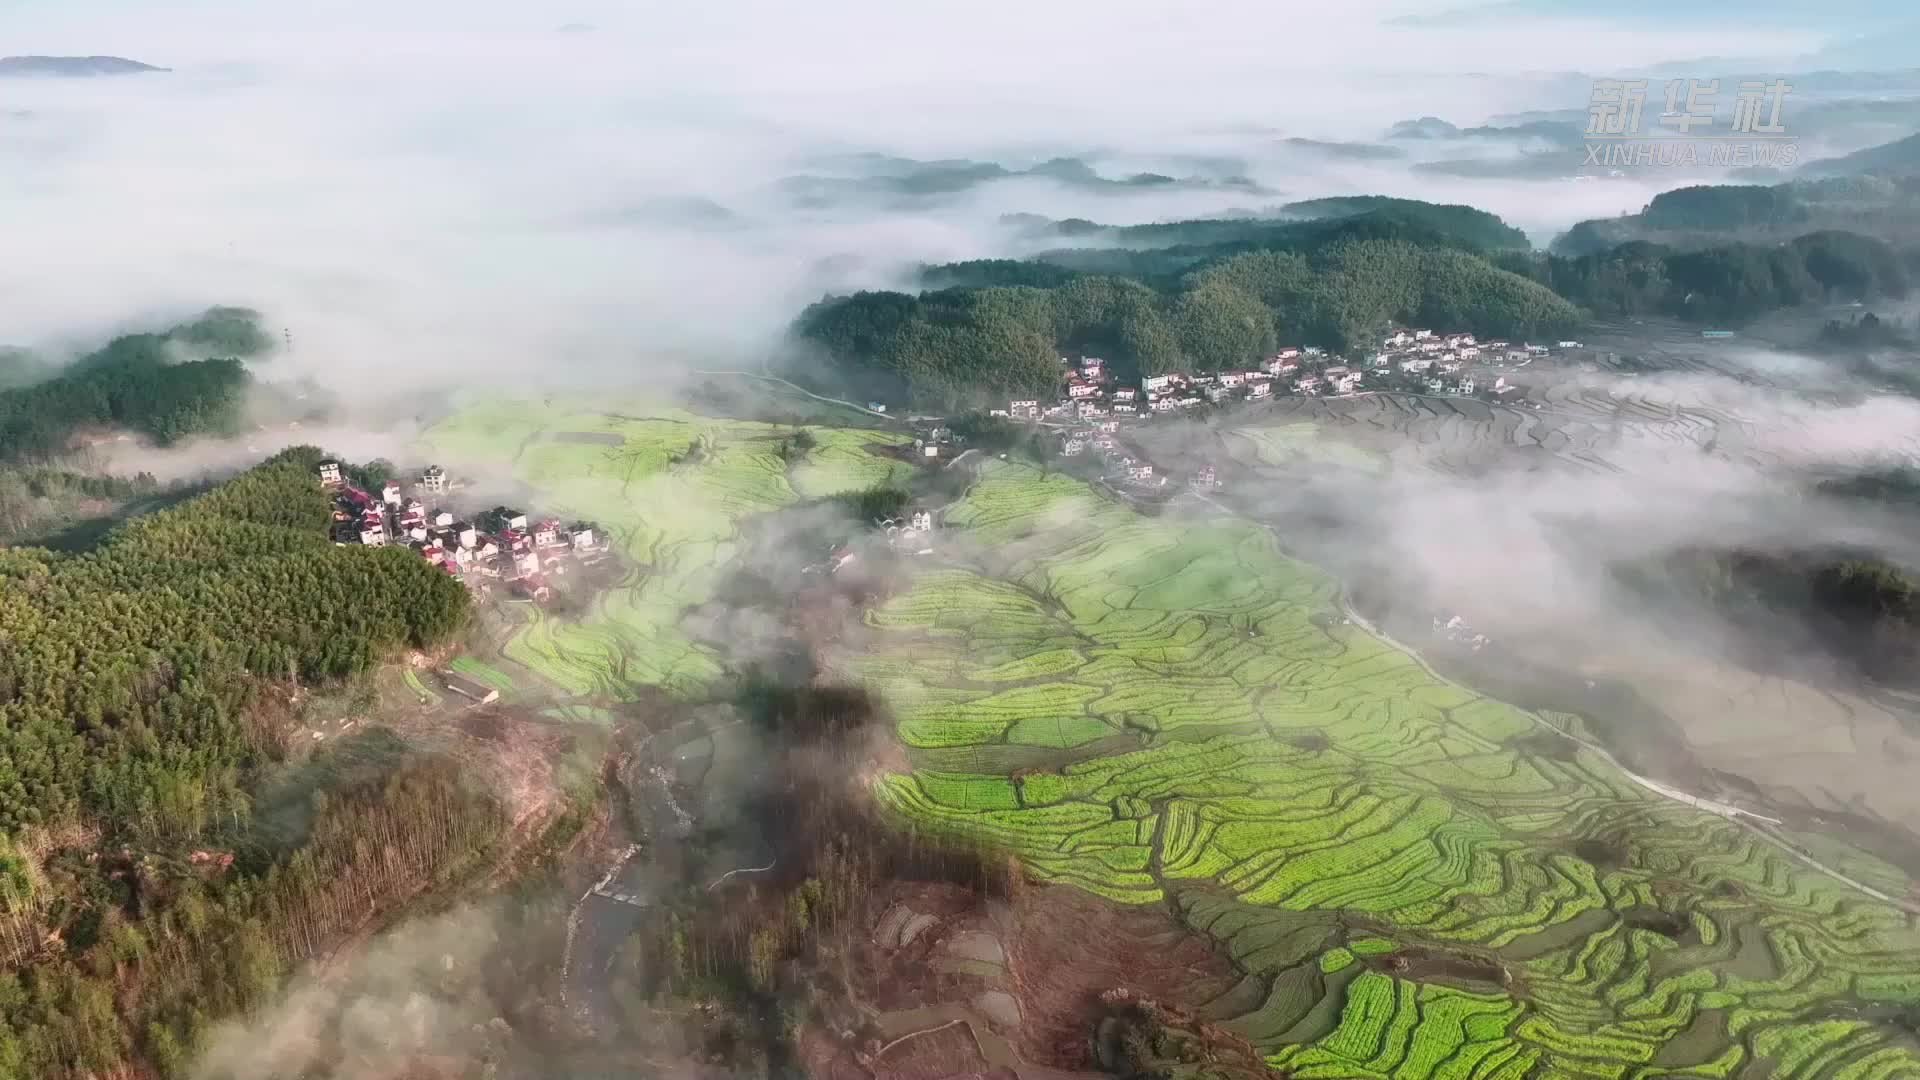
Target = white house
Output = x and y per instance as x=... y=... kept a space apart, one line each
x=1259 y=389
x=1156 y=383
x=329 y=473
x=1233 y=378
x=434 y=480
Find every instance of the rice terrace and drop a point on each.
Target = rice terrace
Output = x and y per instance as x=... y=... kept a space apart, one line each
x=1409 y=879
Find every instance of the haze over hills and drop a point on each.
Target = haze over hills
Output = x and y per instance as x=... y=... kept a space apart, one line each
x=72 y=67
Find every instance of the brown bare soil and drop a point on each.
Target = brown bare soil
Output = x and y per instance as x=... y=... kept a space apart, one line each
x=1066 y=948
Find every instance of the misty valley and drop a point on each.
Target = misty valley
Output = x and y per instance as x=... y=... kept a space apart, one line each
x=715 y=547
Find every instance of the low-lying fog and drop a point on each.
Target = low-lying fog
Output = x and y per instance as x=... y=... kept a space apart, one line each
x=442 y=193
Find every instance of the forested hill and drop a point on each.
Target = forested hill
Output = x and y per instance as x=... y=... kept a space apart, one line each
x=127 y=672
x=137 y=381
x=999 y=331
x=71 y=67
x=1296 y=226
x=1727 y=283
x=1709 y=215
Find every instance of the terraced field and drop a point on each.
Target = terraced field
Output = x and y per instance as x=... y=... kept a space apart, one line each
x=1416 y=880
x=670 y=488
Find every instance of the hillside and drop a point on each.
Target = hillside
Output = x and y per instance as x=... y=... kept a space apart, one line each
x=146 y=726
x=1292 y=226
x=1886 y=207
x=1898 y=158
x=137 y=381
x=71 y=67
x=1728 y=282
x=971 y=343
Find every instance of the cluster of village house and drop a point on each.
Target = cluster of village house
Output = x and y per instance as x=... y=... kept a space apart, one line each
x=497 y=545
x=1094 y=404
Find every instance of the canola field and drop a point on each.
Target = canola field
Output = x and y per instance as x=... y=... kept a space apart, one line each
x=1417 y=881
x=670 y=488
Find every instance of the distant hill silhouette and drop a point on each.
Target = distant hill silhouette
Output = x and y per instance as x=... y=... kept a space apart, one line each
x=1896 y=158
x=71 y=67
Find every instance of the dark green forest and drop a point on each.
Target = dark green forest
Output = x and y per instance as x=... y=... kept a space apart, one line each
x=999 y=328
x=142 y=689
x=1296 y=226
x=129 y=670
x=1712 y=215
x=136 y=381
x=1729 y=283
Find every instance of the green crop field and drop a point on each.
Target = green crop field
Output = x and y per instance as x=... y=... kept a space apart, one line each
x=671 y=495
x=1425 y=892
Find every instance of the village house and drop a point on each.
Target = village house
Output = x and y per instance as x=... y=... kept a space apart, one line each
x=1467 y=384
x=1203 y=479
x=525 y=563
x=443 y=518
x=1309 y=385
x=547 y=535
x=1455 y=341
x=373 y=535
x=1072 y=445
x=1397 y=339
x=1156 y=384
x=1233 y=378
x=464 y=534
x=1422 y=335
x=1140 y=473
x=1346 y=382
x=1024 y=410
x=1257 y=390
x=1218 y=394
x=1057 y=409
x=329 y=473
x=1077 y=389
x=1093 y=368
x=434 y=480
x=1161 y=405
x=390 y=493
x=581 y=536
x=1126 y=409
x=1416 y=364
x=1125 y=393
x=1436 y=385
